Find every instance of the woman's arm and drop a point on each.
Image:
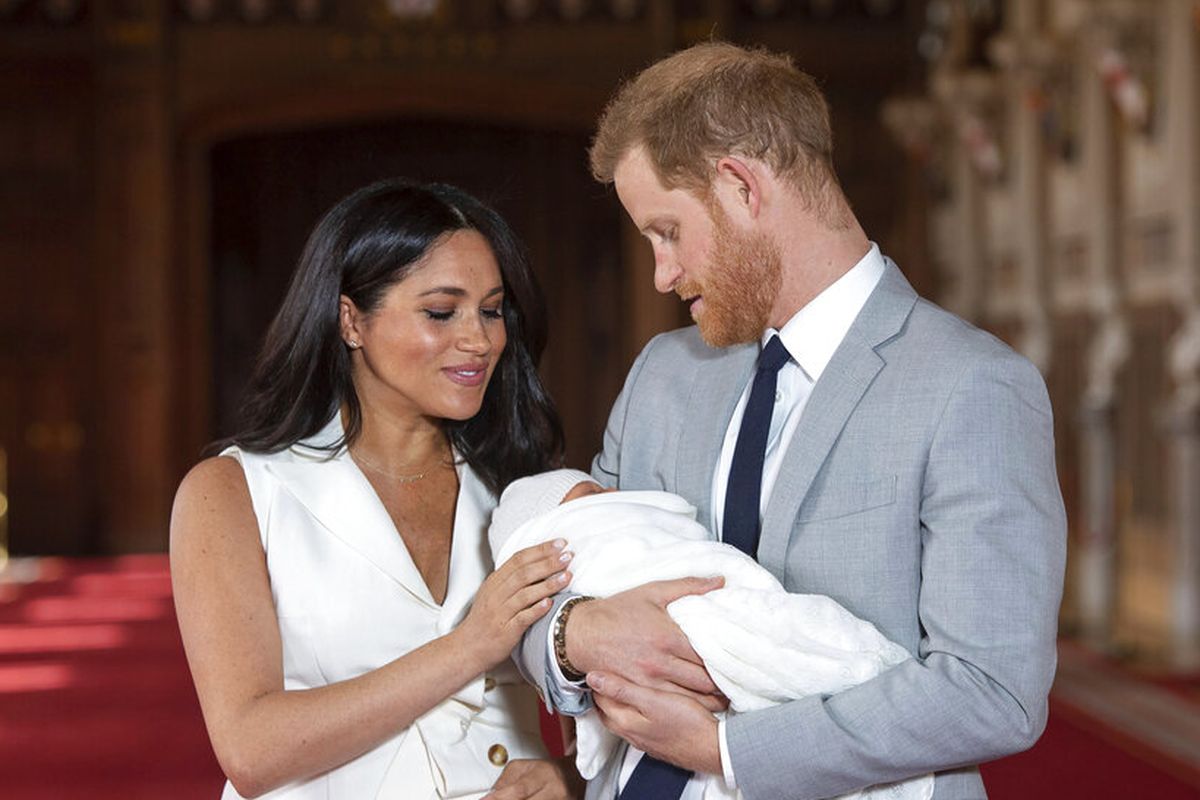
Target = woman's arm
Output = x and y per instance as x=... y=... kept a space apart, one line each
x=264 y=736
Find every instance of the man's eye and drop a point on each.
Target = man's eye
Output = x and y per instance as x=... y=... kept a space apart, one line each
x=440 y=316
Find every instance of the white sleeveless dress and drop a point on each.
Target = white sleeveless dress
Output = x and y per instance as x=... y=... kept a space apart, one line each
x=349 y=599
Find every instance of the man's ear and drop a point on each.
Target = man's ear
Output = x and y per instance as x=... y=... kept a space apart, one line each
x=349 y=322
x=740 y=186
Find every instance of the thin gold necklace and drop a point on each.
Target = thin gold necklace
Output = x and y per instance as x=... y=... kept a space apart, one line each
x=366 y=462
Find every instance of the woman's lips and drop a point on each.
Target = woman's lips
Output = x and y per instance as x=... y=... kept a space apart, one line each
x=466 y=375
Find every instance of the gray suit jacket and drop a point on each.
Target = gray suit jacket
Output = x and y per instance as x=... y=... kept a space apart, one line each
x=919 y=492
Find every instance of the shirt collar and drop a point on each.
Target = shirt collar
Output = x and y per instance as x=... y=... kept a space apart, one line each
x=816 y=331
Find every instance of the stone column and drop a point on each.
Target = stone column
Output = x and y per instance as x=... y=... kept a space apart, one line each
x=1107 y=352
x=1023 y=54
x=1182 y=141
x=961 y=236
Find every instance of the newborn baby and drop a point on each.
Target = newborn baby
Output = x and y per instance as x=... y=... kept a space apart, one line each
x=761 y=645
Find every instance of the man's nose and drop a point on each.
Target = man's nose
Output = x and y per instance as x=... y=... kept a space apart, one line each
x=666 y=273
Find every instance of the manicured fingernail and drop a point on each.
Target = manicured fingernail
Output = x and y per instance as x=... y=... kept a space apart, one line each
x=563 y=577
x=566 y=556
x=559 y=544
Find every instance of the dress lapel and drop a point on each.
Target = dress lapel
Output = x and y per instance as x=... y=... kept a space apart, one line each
x=335 y=492
x=470 y=557
x=834 y=397
x=719 y=384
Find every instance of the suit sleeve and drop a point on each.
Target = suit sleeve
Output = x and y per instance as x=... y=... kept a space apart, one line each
x=993 y=534
x=532 y=654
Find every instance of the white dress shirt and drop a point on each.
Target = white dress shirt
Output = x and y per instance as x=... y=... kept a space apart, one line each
x=811 y=337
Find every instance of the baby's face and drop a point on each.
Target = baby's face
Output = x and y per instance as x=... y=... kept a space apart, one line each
x=583 y=489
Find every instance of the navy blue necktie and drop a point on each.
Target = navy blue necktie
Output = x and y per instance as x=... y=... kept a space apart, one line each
x=740 y=525
x=657 y=780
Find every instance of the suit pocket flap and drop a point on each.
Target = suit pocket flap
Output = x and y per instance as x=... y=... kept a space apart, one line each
x=849 y=498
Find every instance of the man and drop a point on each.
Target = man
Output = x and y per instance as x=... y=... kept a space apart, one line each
x=877 y=450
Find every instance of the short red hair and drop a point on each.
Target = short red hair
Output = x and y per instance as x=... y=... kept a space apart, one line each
x=713 y=100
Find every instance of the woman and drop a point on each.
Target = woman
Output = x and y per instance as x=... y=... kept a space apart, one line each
x=330 y=566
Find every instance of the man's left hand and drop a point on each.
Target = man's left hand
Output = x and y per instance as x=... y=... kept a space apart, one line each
x=669 y=726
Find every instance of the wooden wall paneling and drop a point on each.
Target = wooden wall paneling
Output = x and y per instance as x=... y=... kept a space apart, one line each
x=134 y=222
x=581 y=249
x=646 y=311
x=47 y=416
x=192 y=373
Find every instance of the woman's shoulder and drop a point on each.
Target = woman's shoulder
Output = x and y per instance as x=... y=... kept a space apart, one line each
x=218 y=481
x=213 y=515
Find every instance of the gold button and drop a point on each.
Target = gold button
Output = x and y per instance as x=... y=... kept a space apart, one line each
x=489 y=683
x=498 y=755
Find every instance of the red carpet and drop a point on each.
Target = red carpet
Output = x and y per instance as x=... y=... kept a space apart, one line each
x=96 y=702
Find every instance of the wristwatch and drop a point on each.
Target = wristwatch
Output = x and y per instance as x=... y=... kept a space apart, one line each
x=560 y=639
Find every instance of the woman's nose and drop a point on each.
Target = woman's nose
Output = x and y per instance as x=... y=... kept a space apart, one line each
x=473 y=336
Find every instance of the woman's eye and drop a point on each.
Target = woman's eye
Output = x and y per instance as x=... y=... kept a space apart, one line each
x=440 y=316
x=493 y=313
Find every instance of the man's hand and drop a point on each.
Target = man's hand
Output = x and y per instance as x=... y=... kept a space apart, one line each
x=667 y=725
x=537 y=779
x=630 y=634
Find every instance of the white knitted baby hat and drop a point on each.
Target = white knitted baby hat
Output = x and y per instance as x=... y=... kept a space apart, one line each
x=530 y=497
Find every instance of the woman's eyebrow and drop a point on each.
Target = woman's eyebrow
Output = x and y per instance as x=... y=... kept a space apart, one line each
x=458 y=291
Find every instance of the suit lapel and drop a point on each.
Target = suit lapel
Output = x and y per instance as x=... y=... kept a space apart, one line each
x=337 y=494
x=834 y=397
x=714 y=395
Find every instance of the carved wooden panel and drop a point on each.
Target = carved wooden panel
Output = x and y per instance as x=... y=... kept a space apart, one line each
x=46 y=308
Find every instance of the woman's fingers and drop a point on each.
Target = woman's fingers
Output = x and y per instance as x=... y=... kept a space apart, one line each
x=532 y=614
x=528 y=596
x=534 y=564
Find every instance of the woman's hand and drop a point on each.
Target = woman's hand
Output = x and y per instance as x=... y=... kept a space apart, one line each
x=528 y=779
x=513 y=598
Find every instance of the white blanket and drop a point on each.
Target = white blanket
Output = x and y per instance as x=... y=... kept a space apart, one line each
x=761 y=645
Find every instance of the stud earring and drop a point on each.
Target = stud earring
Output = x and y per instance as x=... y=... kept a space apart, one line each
x=353 y=344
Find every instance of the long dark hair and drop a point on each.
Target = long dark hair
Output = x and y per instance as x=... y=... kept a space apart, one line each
x=363 y=246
